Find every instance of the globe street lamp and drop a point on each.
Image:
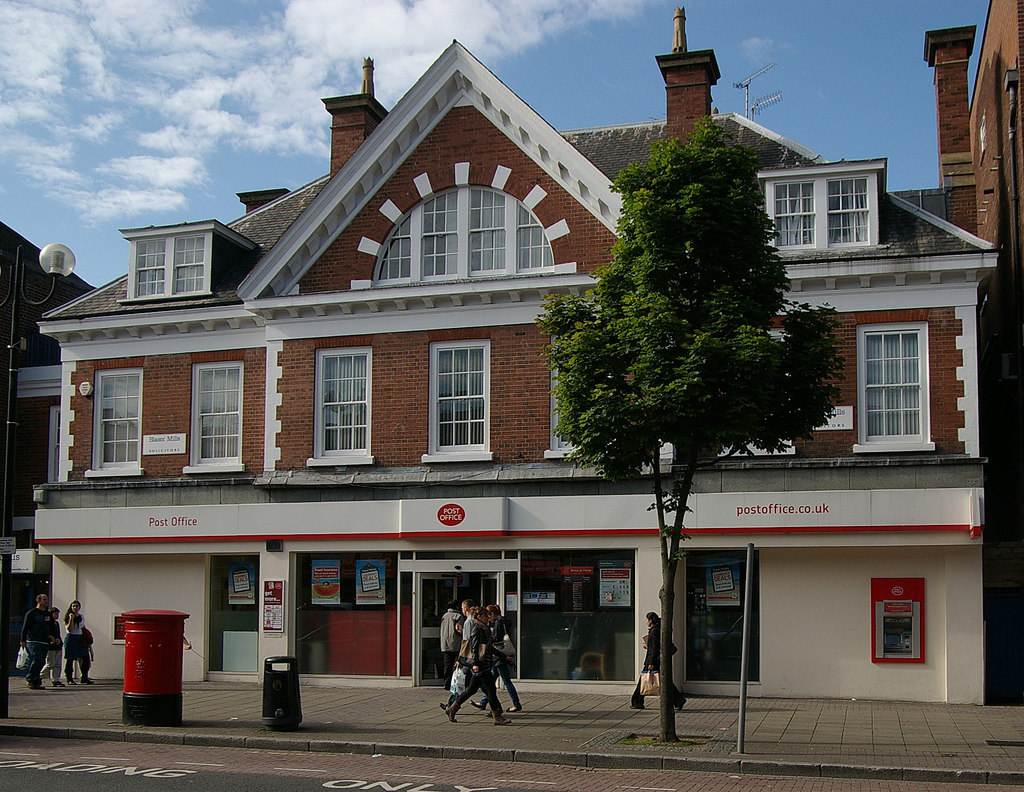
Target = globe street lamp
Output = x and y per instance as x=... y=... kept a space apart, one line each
x=55 y=259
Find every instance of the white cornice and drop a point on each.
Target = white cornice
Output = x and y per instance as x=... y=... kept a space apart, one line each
x=150 y=325
x=436 y=297
x=455 y=79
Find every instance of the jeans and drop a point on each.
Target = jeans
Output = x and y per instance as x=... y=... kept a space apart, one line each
x=36 y=661
x=504 y=670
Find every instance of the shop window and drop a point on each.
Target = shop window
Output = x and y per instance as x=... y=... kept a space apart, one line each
x=347 y=614
x=577 y=615
x=715 y=582
x=234 y=618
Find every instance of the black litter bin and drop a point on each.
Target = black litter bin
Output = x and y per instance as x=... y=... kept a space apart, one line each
x=282 y=709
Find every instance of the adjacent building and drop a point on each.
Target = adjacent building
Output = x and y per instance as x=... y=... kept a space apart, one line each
x=37 y=410
x=313 y=427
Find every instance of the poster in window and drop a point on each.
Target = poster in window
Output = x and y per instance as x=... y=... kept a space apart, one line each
x=616 y=587
x=577 y=588
x=241 y=583
x=326 y=582
x=273 y=606
x=370 y=581
x=723 y=583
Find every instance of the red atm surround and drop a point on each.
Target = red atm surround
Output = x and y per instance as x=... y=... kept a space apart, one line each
x=897 y=620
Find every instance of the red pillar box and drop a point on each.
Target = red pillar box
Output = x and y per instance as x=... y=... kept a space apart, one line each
x=152 y=667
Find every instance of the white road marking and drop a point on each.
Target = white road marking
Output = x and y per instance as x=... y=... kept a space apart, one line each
x=107 y=758
x=524 y=781
x=17 y=753
x=201 y=764
x=301 y=769
x=409 y=775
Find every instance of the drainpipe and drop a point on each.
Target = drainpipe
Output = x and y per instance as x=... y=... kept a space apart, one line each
x=1011 y=82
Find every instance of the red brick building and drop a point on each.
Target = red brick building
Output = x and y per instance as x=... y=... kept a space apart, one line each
x=313 y=427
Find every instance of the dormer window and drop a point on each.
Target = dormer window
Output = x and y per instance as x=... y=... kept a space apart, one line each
x=820 y=207
x=177 y=261
x=464 y=233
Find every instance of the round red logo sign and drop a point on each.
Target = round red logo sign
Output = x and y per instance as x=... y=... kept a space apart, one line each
x=451 y=514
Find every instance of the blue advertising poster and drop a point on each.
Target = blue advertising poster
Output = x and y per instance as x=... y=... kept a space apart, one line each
x=370 y=581
x=241 y=583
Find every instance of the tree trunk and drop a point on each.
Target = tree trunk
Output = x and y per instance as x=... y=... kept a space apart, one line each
x=671 y=537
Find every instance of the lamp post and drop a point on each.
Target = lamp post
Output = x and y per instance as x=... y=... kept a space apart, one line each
x=55 y=259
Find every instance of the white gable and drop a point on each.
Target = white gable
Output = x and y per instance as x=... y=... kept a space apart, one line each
x=456 y=79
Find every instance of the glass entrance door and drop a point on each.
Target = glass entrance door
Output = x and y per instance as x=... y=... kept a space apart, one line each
x=436 y=591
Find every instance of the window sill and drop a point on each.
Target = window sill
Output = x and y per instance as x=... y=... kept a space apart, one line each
x=557 y=453
x=339 y=461
x=233 y=467
x=892 y=447
x=458 y=456
x=114 y=472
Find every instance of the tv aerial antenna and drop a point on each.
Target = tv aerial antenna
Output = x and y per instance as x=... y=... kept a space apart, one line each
x=765 y=101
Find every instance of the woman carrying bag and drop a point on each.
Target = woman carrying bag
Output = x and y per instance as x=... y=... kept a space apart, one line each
x=652 y=662
x=478 y=656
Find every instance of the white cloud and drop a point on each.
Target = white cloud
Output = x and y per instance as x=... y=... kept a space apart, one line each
x=172 y=82
x=160 y=172
x=121 y=203
x=758 y=49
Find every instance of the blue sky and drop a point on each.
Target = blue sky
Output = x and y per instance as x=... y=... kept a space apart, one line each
x=126 y=113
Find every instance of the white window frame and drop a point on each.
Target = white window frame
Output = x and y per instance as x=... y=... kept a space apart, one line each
x=128 y=467
x=820 y=177
x=843 y=213
x=470 y=452
x=53 y=448
x=171 y=244
x=408 y=233
x=802 y=213
x=920 y=441
x=227 y=464
x=557 y=447
x=354 y=456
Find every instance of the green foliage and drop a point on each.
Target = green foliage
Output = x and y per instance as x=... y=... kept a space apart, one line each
x=687 y=337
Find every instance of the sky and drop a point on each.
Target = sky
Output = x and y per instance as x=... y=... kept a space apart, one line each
x=126 y=113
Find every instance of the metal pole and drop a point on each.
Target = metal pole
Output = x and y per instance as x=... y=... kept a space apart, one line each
x=748 y=588
x=7 y=528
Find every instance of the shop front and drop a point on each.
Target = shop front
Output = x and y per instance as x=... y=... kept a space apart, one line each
x=574 y=574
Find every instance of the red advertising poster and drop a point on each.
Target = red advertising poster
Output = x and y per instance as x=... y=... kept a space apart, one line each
x=273 y=606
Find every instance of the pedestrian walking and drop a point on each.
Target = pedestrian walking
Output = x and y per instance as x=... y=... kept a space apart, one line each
x=467 y=624
x=652 y=662
x=479 y=658
x=77 y=644
x=37 y=637
x=55 y=655
x=451 y=640
x=501 y=628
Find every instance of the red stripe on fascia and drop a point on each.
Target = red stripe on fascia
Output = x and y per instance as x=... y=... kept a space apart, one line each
x=833 y=529
x=486 y=534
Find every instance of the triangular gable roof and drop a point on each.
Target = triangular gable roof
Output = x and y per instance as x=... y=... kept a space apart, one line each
x=456 y=79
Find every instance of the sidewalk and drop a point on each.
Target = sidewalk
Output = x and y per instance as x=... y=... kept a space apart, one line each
x=805 y=737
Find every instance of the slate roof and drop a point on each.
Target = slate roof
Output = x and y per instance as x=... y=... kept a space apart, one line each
x=264 y=226
x=903 y=230
x=613 y=148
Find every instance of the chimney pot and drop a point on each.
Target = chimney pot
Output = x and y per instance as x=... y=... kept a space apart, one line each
x=679 y=31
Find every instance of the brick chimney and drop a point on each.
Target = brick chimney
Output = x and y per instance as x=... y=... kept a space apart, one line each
x=353 y=119
x=688 y=80
x=254 y=199
x=948 y=51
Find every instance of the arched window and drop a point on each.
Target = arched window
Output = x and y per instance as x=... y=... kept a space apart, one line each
x=464 y=233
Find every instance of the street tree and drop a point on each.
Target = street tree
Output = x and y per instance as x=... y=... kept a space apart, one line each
x=687 y=341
